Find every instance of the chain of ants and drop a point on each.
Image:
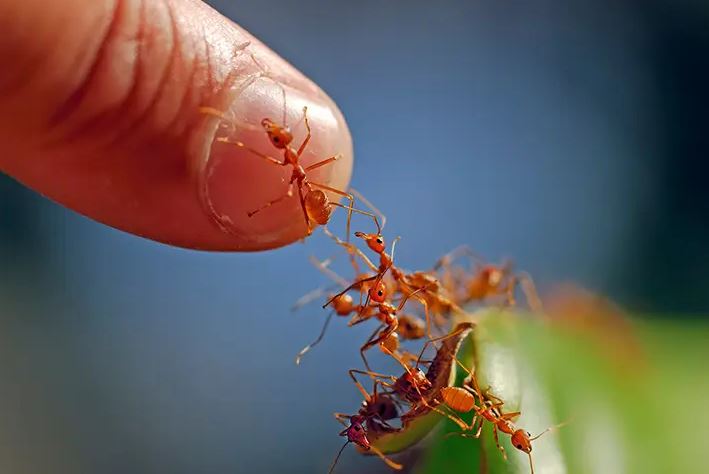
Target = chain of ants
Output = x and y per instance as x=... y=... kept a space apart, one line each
x=382 y=291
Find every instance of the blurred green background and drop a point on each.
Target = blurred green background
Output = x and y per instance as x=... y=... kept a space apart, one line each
x=571 y=136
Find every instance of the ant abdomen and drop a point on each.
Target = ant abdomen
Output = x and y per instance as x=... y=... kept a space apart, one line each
x=458 y=399
x=317 y=206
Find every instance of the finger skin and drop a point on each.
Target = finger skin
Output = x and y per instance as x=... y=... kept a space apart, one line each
x=100 y=111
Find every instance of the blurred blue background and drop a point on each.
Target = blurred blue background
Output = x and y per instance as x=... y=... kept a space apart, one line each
x=571 y=136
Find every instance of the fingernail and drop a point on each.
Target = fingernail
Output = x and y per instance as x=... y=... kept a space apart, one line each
x=237 y=181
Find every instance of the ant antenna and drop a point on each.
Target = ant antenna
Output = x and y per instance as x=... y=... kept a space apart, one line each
x=387 y=461
x=551 y=428
x=337 y=458
x=531 y=464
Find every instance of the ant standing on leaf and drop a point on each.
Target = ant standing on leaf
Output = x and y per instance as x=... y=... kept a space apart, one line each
x=462 y=400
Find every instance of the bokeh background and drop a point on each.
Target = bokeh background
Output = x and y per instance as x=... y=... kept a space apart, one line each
x=571 y=136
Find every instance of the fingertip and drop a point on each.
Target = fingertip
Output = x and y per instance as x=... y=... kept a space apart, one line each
x=238 y=176
x=133 y=150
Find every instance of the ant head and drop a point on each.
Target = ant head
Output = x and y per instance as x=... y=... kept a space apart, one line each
x=356 y=433
x=280 y=136
x=521 y=440
x=378 y=292
x=374 y=241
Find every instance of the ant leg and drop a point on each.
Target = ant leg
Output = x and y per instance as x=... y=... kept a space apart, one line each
x=477 y=420
x=352 y=249
x=266 y=157
x=371 y=207
x=394 y=465
x=461 y=251
x=360 y=318
x=288 y=194
x=497 y=441
x=324 y=267
x=341 y=417
x=359 y=282
x=454 y=418
x=309 y=297
x=323 y=162
x=373 y=340
x=530 y=291
x=359 y=211
x=304 y=350
x=426 y=314
x=305 y=211
x=373 y=375
x=443 y=338
x=307 y=136
x=510 y=293
x=511 y=415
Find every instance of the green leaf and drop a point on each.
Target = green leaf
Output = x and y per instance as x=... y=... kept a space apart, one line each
x=627 y=412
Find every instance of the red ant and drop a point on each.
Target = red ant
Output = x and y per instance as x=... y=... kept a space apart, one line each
x=385 y=335
x=342 y=305
x=372 y=418
x=378 y=291
x=356 y=432
x=421 y=389
x=487 y=280
x=315 y=204
x=414 y=386
x=462 y=399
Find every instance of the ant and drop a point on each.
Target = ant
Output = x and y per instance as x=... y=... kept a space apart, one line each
x=462 y=399
x=486 y=280
x=342 y=305
x=377 y=291
x=385 y=335
x=420 y=390
x=315 y=204
x=372 y=418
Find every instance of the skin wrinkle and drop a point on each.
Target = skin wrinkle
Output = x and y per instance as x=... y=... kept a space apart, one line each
x=174 y=51
x=77 y=97
x=131 y=101
x=118 y=99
